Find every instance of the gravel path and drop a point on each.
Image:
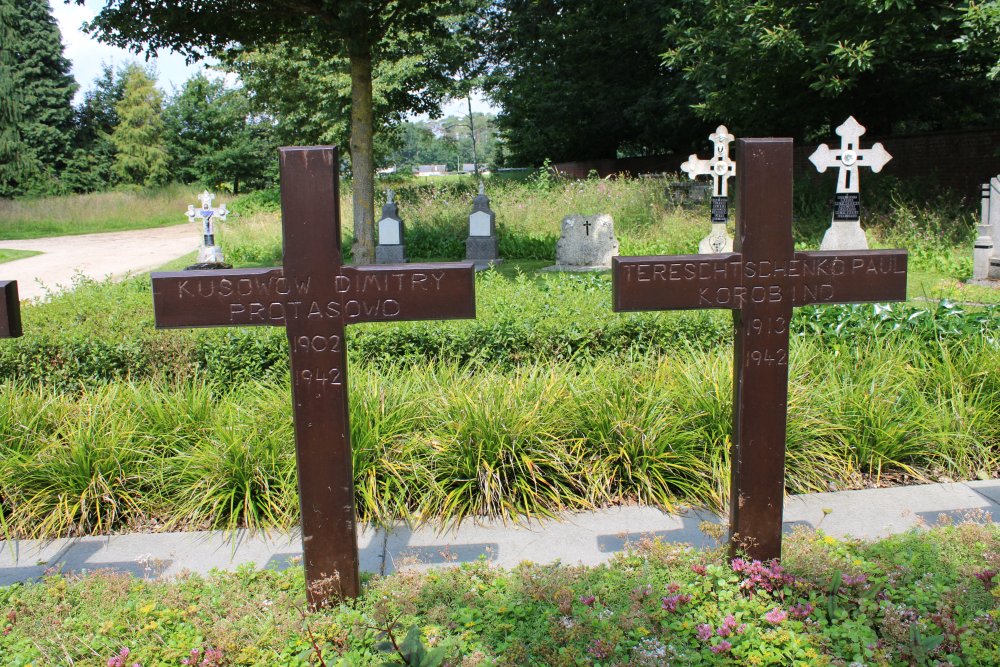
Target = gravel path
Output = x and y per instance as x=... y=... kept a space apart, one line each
x=97 y=256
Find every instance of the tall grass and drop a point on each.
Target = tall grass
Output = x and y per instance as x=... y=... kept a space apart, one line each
x=97 y=212
x=439 y=441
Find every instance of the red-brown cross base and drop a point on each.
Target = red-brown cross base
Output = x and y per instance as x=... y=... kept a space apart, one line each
x=10 y=310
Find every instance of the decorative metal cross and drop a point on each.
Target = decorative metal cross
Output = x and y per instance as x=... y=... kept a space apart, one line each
x=761 y=282
x=314 y=297
x=721 y=167
x=847 y=208
x=209 y=252
x=10 y=310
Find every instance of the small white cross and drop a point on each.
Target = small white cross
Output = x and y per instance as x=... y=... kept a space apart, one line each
x=206 y=198
x=850 y=156
x=720 y=166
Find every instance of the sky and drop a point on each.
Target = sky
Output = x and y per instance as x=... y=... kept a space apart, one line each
x=88 y=56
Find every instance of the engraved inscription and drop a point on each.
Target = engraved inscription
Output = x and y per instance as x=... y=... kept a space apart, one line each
x=767 y=357
x=847 y=206
x=720 y=209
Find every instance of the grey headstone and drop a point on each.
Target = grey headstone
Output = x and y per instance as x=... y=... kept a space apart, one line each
x=587 y=243
x=391 y=248
x=481 y=247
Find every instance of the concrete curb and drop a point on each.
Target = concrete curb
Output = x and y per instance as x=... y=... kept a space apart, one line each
x=585 y=538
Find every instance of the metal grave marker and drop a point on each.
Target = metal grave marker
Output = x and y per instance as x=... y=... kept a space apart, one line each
x=313 y=296
x=845 y=231
x=760 y=282
x=10 y=310
x=721 y=167
x=209 y=255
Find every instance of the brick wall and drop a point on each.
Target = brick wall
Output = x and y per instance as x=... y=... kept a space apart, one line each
x=961 y=159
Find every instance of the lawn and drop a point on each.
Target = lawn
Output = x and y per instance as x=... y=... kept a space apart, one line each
x=11 y=255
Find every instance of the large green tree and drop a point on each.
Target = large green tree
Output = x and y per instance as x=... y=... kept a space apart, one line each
x=353 y=29
x=581 y=79
x=140 y=149
x=92 y=165
x=213 y=138
x=38 y=91
x=798 y=67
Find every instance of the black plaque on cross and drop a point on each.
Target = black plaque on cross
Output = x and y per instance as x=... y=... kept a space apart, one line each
x=760 y=282
x=10 y=310
x=313 y=296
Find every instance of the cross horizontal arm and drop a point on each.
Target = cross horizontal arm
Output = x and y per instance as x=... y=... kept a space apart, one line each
x=217 y=298
x=10 y=310
x=409 y=291
x=673 y=282
x=858 y=276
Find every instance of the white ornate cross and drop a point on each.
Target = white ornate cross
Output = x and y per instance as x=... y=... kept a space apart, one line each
x=850 y=156
x=720 y=166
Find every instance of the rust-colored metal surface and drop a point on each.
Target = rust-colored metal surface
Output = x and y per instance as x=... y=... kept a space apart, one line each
x=760 y=282
x=10 y=310
x=313 y=296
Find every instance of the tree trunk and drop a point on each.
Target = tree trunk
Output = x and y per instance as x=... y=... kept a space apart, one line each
x=362 y=158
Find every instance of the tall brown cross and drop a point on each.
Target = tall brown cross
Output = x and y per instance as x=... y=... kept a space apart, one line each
x=760 y=282
x=314 y=297
x=10 y=310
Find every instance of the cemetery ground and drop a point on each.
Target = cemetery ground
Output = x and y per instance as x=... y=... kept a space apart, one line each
x=546 y=402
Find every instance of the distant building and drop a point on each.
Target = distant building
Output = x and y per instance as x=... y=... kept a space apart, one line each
x=386 y=171
x=430 y=170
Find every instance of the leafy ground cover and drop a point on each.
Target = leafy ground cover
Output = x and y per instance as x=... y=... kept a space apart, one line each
x=922 y=598
x=92 y=213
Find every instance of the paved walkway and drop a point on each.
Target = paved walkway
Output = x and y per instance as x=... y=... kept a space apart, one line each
x=96 y=256
x=589 y=538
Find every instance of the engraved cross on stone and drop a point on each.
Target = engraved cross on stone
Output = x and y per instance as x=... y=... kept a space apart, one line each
x=847 y=208
x=10 y=310
x=313 y=296
x=760 y=282
x=586 y=226
x=721 y=167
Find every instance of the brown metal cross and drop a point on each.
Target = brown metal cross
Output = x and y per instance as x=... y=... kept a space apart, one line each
x=10 y=310
x=761 y=282
x=313 y=297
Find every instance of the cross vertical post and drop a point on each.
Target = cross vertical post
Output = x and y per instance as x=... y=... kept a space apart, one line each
x=760 y=283
x=10 y=310
x=314 y=296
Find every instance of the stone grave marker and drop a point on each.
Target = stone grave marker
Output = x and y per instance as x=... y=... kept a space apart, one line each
x=10 y=310
x=390 y=248
x=209 y=254
x=481 y=247
x=720 y=167
x=587 y=243
x=760 y=282
x=845 y=231
x=313 y=296
x=986 y=251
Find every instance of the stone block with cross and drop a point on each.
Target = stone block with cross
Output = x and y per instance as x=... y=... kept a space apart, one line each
x=10 y=310
x=587 y=243
x=720 y=167
x=760 y=282
x=313 y=296
x=986 y=251
x=845 y=231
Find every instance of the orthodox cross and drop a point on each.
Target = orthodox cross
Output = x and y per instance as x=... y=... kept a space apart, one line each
x=847 y=207
x=313 y=296
x=10 y=310
x=209 y=255
x=721 y=167
x=760 y=282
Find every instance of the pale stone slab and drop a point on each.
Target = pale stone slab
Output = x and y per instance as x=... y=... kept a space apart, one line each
x=587 y=243
x=388 y=232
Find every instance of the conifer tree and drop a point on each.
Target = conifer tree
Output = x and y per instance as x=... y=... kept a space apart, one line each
x=142 y=156
x=36 y=93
